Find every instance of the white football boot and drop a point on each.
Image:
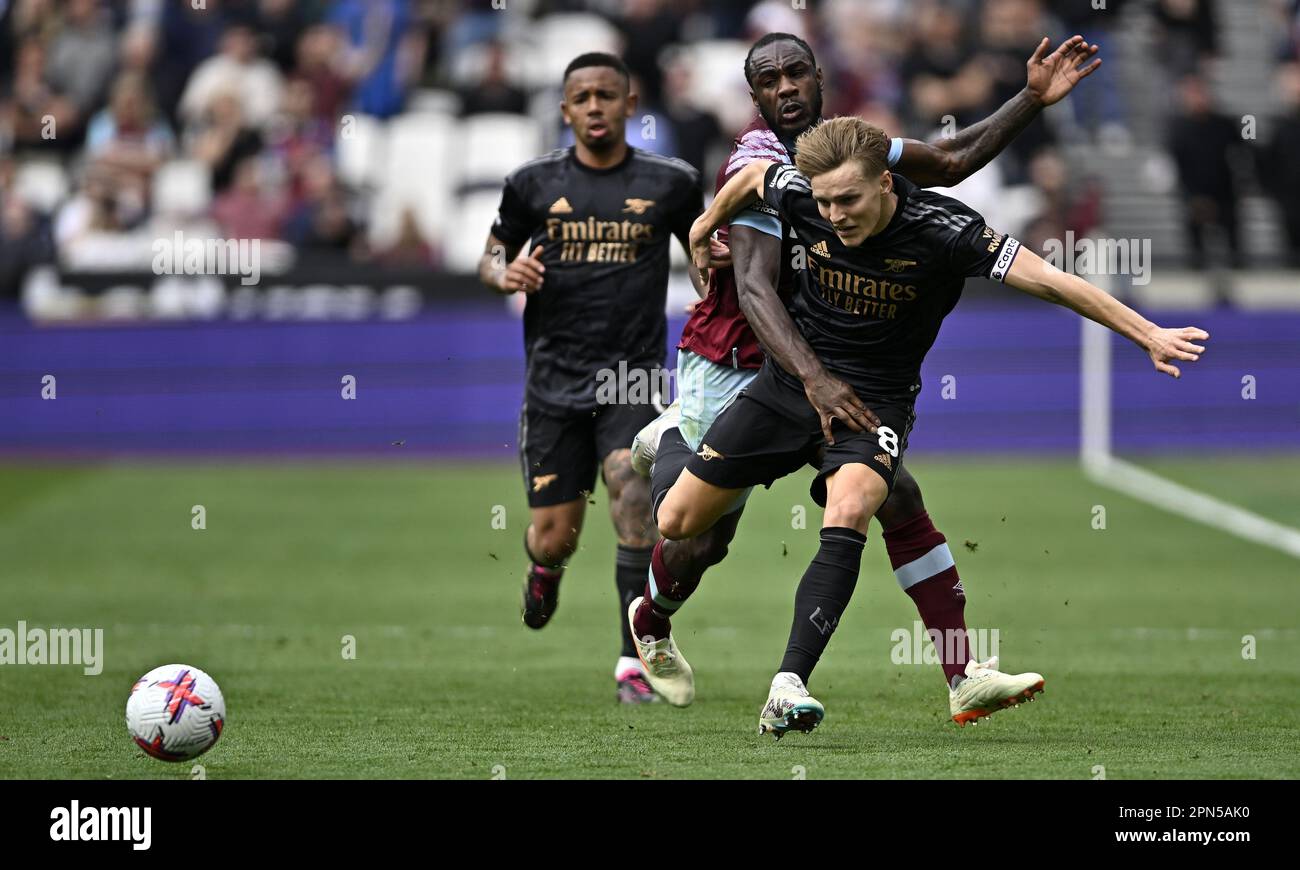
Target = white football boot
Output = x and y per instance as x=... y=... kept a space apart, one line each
x=789 y=707
x=646 y=443
x=987 y=690
x=669 y=673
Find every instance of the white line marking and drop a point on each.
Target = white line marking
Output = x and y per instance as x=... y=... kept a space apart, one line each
x=1103 y=468
x=1138 y=483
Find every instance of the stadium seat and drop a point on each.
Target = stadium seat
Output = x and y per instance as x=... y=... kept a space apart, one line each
x=360 y=145
x=182 y=187
x=420 y=170
x=433 y=101
x=42 y=184
x=475 y=212
x=718 y=80
x=493 y=145
x=469 y=64
x=560 y=38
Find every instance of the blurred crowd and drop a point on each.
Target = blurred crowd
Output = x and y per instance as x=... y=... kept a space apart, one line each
x=378 y=131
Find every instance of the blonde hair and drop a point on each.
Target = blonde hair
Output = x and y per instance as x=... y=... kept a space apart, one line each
x=830 y=144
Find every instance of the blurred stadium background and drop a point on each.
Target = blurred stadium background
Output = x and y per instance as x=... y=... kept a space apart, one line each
x=364 y=142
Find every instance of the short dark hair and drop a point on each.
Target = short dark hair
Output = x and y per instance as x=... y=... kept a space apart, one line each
x=598 y=58
x=768 y=39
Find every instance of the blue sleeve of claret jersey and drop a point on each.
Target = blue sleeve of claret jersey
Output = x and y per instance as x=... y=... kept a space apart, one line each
x=764 y=223
x=895 y=150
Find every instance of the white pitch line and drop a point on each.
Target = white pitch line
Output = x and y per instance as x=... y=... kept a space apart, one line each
x=1102 y=467
x=1136 y=482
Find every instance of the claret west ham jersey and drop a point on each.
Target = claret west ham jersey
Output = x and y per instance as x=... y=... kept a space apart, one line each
x=717 y=329
x=605 y=236
x=871 y=312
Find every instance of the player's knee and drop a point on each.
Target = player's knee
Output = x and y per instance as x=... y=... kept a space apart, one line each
x=908 y=493
x=553 y=543
x=709 y=549
x=848 y=513
x=673 y=523
x=904 y=502
x=555 y=548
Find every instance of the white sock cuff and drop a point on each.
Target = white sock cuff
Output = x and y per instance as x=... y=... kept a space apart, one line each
x=934 y=562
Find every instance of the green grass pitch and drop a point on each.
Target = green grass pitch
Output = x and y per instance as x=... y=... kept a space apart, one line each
x=1137 y=627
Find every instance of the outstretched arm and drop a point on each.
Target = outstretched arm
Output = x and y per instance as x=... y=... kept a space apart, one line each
x=945 y=162
x=1034 y=276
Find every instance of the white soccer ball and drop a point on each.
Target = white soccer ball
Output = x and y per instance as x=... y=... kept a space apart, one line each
x=175 y=712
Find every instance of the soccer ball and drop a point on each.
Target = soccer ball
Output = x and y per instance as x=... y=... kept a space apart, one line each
x=175 y=712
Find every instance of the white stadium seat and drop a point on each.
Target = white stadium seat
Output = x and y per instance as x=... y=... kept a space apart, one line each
x=421 y=170
x=433 y=101
x=360 y=145
x=475 y=213
x=182 y=188
x=469 y=64
x=560 y=38
x=493 y=145
x=42 y=184
x=718 y=80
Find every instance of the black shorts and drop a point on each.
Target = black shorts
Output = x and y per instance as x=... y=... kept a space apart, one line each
x=771 y=431
x=561 y=453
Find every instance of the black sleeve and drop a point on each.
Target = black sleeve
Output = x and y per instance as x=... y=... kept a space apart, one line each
x=783 y=185
x=691 y=204
x=979 y=251
x=515 y=220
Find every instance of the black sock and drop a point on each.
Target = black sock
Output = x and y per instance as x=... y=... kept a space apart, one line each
x=632 y=566
x=673 y=455
x=821 y=599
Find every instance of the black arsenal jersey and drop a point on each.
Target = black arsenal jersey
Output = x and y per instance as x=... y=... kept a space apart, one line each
x=605 y=236
x=871 y=312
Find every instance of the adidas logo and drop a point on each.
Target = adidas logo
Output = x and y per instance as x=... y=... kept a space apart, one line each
x=883 y=459
x=821 y=250
x=706 y=453
x=561 y=206
x=959 y=589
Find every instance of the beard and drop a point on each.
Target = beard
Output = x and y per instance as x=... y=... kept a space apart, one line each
x=773 y=122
